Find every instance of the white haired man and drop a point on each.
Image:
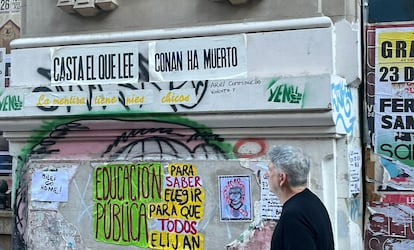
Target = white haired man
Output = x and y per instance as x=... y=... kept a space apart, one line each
x=304 y=222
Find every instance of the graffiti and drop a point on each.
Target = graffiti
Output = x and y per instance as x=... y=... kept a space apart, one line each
x=218 y=87
x=181 y=210
x=342 y=104
x=146 y=138
x=284 y=93
x=81 y=197
x=121 y=194
x=355 y=205
x=250 y=148
x=11 y=103
x=125 y=136
x=166 y=137
x=58 y=133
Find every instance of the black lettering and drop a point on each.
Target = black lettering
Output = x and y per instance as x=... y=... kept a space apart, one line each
x=80 y=69
x=386 y=49
x=412 y=49
x=220 y=58
x=398 y=124
x=68 y=72
x=168 y=61
x=387 y=148
x=90 y=68
x=56 y=65
x=400 y=49
x=408 y=73
x=127 y=65
x=403 y=152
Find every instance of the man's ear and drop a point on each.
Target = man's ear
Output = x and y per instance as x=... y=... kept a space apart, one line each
x=282 y=179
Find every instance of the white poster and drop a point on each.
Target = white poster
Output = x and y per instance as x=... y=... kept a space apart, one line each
x=221 y=57
x=50 y=186
x=394 y=94
x=95 y=64
x=271 y=207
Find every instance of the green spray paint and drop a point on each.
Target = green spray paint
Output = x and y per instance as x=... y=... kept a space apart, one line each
x=284 y=93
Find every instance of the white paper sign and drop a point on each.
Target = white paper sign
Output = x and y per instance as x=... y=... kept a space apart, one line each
x=50 y=186
x=355 y=162
x=223 y=57
x=271 y=207
x=95 y=64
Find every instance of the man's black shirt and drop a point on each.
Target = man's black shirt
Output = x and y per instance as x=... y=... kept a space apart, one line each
x=304 y=224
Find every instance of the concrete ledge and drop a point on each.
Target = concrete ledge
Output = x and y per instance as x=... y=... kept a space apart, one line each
x=155 y=34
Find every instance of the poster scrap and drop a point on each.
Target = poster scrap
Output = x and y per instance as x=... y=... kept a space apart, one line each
x=389 y=226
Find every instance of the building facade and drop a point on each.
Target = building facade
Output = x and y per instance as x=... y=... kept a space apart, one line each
x=139 y=124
